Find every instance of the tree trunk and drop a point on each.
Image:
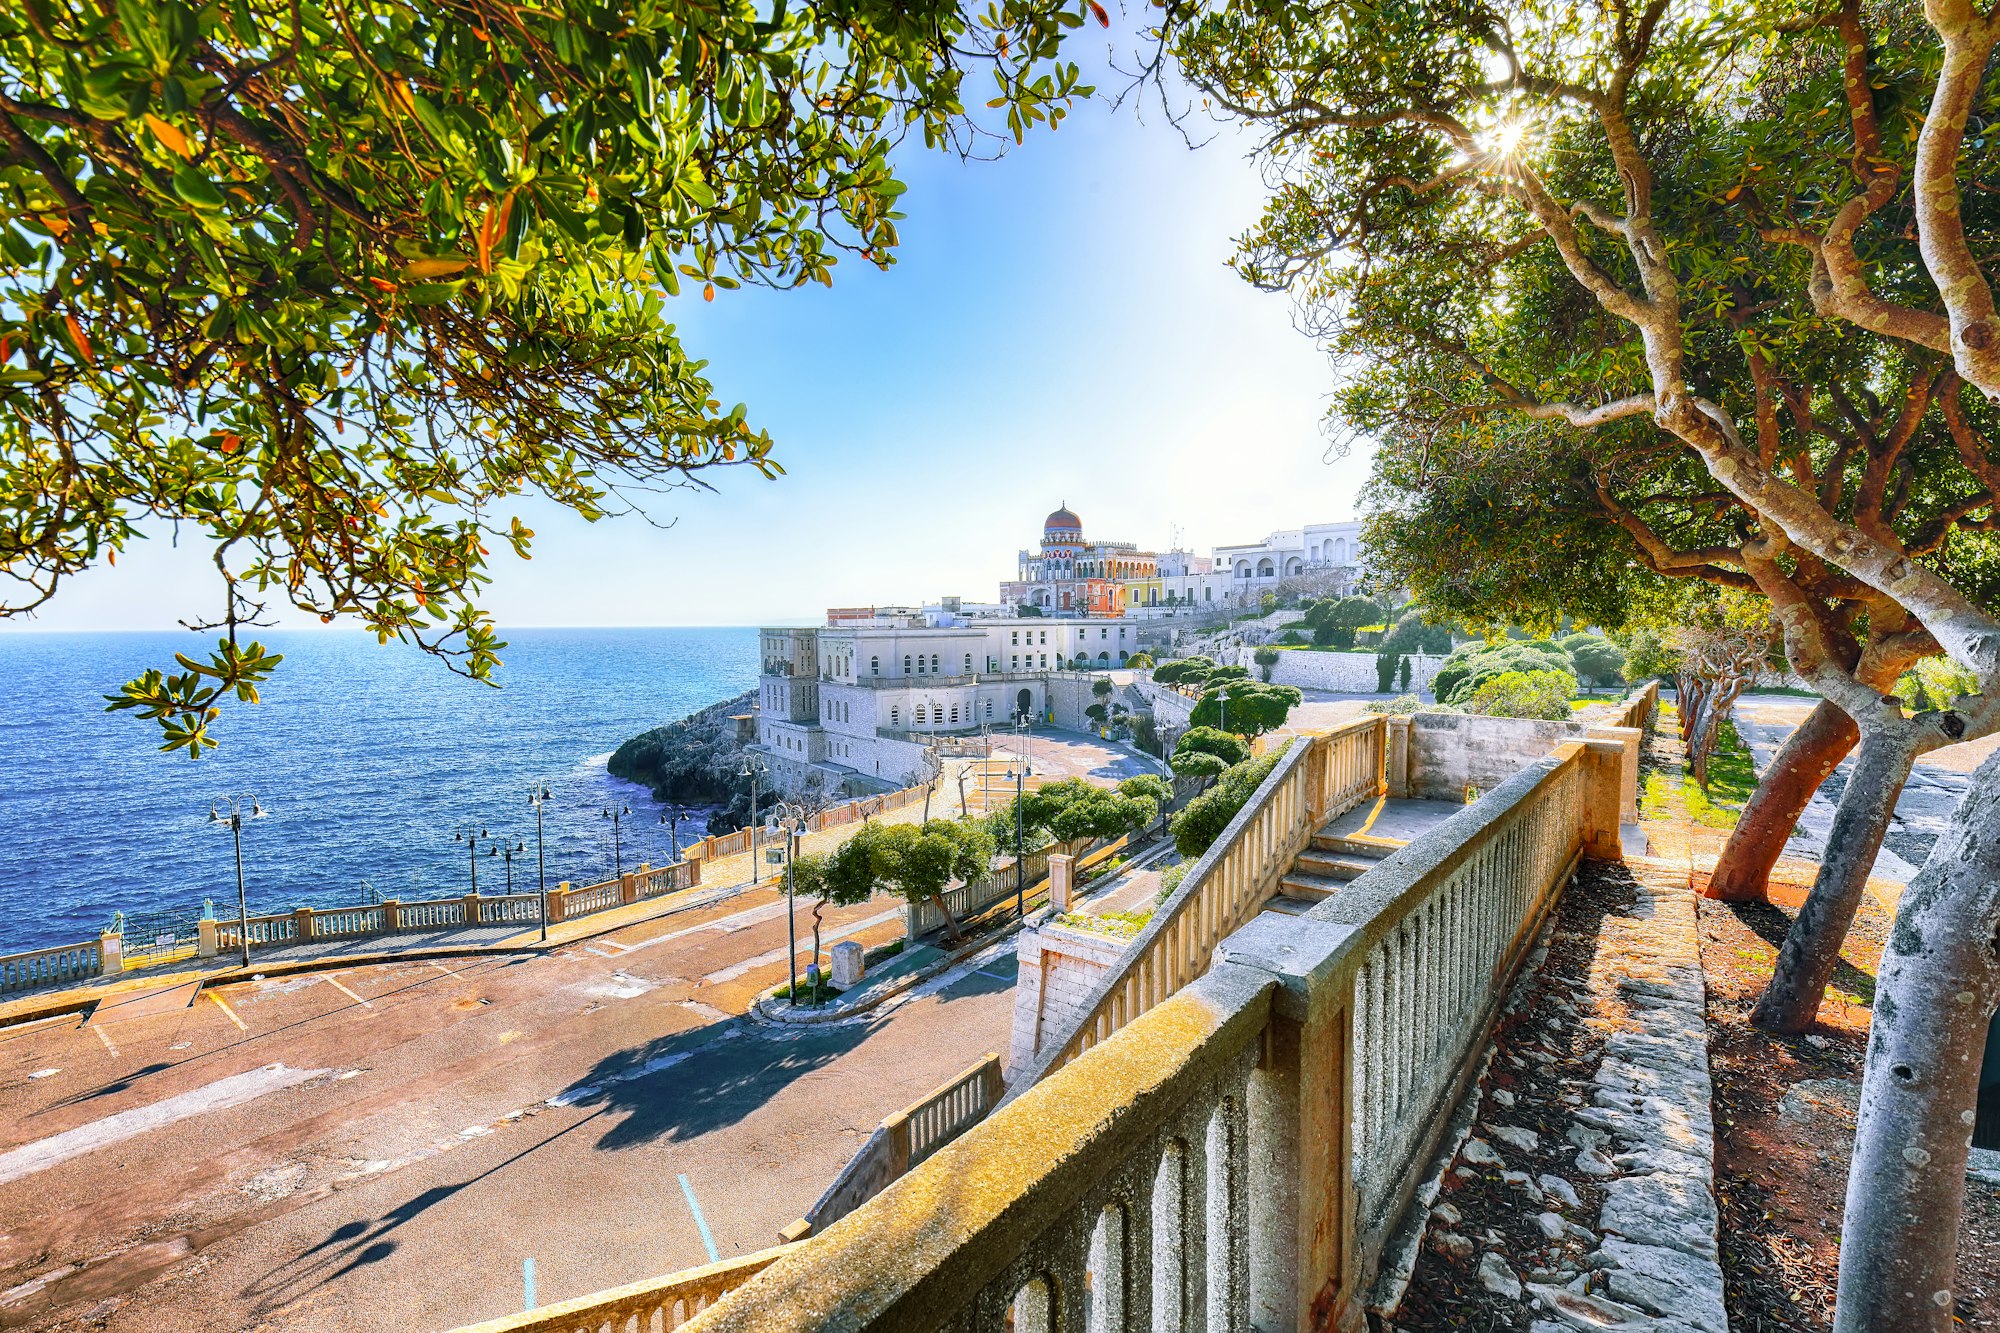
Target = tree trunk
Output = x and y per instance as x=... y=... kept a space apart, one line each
x=819 y=904
x=953 y=933
x=1938 y=986
x=1743 y=871
x=1811 y=950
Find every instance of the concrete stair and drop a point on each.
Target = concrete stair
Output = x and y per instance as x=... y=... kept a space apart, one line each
x=1324 y=868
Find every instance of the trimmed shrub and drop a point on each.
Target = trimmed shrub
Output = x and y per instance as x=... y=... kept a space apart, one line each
x=1537 y=694
x=1197 y=826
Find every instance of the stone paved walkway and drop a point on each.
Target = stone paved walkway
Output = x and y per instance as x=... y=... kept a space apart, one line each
x=1583 y=1198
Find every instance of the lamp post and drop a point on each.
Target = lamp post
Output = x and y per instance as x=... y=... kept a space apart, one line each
x=1019 y=775
x=470 y=834
x=672 y=818
x=753 y=770
x=507 y=855
x=780 y=815
x=231 y=810
x=616 y=814
x=538 y=796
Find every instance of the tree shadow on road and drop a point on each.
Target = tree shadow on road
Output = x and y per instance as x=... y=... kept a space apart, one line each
x=675 y=1089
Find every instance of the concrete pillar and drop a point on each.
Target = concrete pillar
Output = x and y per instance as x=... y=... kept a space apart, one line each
x=1603 y=789
x=205 y=937
x=1631 y=738
x=849 y=964
x=392 y=914
x=1027 y=1001
x=1062 y=881
x=558 y=898
x=1396 y=759
x=302 y=923
x=1301 y=1209
x=693 y=875
x=112 y=945
x=471 y=909
x=628 y=888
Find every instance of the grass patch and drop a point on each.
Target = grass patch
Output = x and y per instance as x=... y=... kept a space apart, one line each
x=1117 y=925
x=827 y=991
x=1653 y=801
x=882 y=953
x=1732 y=776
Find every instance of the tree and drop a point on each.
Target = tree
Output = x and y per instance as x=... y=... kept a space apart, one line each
x=1140 y=661
x=1536 y=694
x=810 y=879
x=1206 y=753
x=1595 y=658
x=1718 y=654
x=1184 y=670
x=1471 y=665
x=1245 y=707
x=1648 y=656
x=324 y=286
x=1385 y=671
x=919 y=862
x=1265 y=658
x=1203 y=819
x=1076 y=813
x=1403 y=676
x=1663 y=192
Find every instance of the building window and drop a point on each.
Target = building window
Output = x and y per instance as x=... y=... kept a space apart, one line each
x=875 y=666
x=934 y=663
x=968 y=664
x=1045 y=661
x=895 y=717
x=989 y=708
x=1016 y=660
x=1017 y=636
x=906 y=664
x=954 y=712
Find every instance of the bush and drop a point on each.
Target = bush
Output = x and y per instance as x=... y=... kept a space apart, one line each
x=1536 y=694
x=1411 y=635
x=1594 y=658
x=1207 y=740
x=1196 y=828
x=1648 y=656
x=1385 y=671
x=1400 y=706
x=1472 y=664
x=1265 y=658
x=1184 y=671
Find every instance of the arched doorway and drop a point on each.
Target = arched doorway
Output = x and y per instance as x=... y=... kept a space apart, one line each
x=1024 y=703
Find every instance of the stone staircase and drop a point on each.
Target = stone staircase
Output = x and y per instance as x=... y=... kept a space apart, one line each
x=1322 y=869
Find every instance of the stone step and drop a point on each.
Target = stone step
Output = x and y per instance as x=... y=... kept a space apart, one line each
x=1332 y=866
x=1290 y=906
x=1356 y=844
x=1312 y=887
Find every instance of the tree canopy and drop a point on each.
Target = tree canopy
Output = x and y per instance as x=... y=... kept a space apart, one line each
x=1075 y=812
x=326 y=286
x=1245 y=707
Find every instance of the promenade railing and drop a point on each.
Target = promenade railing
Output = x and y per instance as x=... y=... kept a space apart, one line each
x=50 y=967
x=660 y=1303
x=1241 y=1152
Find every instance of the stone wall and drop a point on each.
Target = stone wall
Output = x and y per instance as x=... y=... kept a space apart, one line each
x=1059 y=968
x=1170 y=707
x=1352 y=673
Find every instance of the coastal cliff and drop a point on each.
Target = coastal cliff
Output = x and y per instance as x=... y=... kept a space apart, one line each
x=695 y=761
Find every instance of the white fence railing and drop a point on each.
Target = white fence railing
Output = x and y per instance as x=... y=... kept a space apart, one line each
x=48 y=967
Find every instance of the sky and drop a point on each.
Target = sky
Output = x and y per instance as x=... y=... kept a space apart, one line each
x=1060 y=327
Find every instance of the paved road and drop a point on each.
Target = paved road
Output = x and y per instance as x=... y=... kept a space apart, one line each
x=1936 y=785
x=381 y=1147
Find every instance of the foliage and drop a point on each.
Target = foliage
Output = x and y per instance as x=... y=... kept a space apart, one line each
x=1934 y=683
x=1471 y=665
x=1537 y=694
x=1102 y=687
x=1721 y=647
x=1170 y=880
x=324 y=287
x=1403 y=676
x=1184 y=670
x=1410 y=634
x=1265 y=658
x=1400 y=706
x=1028 y=612
x=917 y=861
x=1333 y=620
x=1291 y=638
x=1097 y=713
x=1385 y=671
x=1204 y=818
x=1648 y=656
x=1139 y=661
x=1221 y=745
x=1248 y=708
x=1594 y=658
x=1198 y=764
x=1146 y=733
x=1268 y=603
x=1075 y=812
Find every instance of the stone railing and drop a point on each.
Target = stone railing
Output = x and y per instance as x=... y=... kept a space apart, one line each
x=967 y=899
x=903 y=1141
x=1242 y=1153
x=1318 y=777
x=37 y=968
x=663 y=1303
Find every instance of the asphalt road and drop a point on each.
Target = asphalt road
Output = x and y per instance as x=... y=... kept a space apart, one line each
x=382 y=1147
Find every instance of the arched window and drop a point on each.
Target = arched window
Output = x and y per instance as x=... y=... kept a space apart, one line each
x=875 y=666
x=906 y=664
x=968 y=664
x=934 y=663
x=1265 y=569
x=989 y=708
x=1340 y=551
x=895 y=717
x=954 y=713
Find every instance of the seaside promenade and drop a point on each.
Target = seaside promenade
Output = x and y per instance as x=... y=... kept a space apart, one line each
x=384 y=1143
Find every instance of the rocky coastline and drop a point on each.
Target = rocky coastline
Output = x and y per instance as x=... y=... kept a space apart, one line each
x=696 y=761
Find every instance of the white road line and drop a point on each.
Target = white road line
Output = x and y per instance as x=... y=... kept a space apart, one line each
x=106 y=1039
x=217 y=1096
x=365 y=1004
x=442 y=968
x=241 y=1026
x=736 y=970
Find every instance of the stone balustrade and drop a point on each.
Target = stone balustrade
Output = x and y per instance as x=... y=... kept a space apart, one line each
x=1239 y=1151
x=663 y=1303
x=48 y=967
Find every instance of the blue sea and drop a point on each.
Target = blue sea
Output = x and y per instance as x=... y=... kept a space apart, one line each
x=366 y=759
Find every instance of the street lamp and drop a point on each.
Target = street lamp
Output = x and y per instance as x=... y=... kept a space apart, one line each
x=1020 y=887
x=753 y=769
x=616 y=814
x=672 y=818
x=231 y=810
x=781 y=815
x=507 y=855
x=538 y=796
x=470 y=834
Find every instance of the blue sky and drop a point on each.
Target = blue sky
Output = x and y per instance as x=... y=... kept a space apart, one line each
x=1060 y=326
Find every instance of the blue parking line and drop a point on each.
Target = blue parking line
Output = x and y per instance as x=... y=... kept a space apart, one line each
x=699 y=1221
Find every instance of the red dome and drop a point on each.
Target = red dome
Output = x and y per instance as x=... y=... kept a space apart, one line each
x=1064 y=520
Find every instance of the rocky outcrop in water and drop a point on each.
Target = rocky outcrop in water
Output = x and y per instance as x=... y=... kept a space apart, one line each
x=695 y=761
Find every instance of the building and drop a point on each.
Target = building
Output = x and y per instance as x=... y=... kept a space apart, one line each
x=855 y=706
x=1068 y=575
x=1325 y=548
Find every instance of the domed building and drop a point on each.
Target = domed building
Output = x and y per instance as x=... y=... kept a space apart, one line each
x=1069 y=575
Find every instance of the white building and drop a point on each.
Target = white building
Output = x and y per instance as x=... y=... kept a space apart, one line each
x=853 y=703
x=1316 y=548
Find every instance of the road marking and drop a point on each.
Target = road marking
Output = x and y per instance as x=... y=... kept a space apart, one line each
x=241 y=1026
x=735 y=970
x=217 y=1096
x=527 y=1284
x=442 y=968
x=365 y=1004
x=714 y=1256
x=101 y=1036
x=995 y=975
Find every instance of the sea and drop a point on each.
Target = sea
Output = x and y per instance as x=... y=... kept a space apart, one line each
x=367 y=761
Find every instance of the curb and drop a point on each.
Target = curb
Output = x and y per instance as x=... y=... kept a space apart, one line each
x=770 y=1013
